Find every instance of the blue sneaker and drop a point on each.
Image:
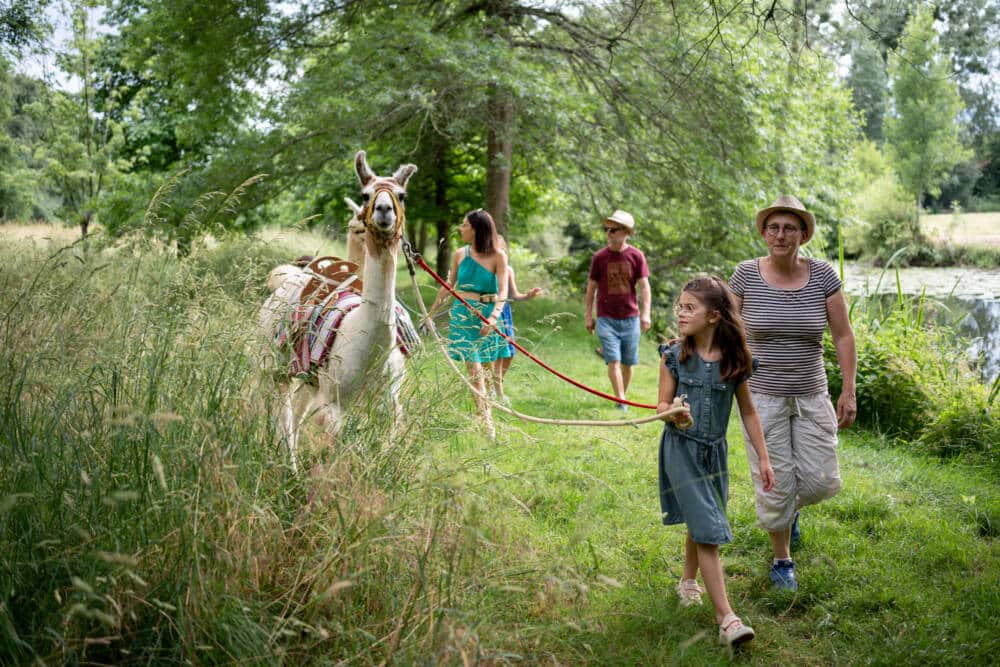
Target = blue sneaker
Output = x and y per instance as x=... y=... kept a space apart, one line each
x=796 y=541
x=782 y=576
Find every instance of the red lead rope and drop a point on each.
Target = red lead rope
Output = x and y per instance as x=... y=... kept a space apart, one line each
x=595 y=392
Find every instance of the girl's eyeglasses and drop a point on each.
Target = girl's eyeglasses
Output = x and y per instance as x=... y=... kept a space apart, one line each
x=686 y=308
x=612 y=230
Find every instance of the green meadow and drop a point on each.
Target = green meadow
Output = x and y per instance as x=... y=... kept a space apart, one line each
x=148 y=514
x=974 y=229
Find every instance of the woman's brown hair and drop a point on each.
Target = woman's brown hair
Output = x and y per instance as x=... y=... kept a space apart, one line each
x=482 y=223
x=730 y=336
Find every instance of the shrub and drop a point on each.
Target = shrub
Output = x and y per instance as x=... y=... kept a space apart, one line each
x=966 y=424
x=891 y=395
x=914 y=382
x=888 y=212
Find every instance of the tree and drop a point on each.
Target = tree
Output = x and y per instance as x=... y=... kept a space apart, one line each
x=921 y=129
x=557 y=112
x=22 y=22
x=83 y=142
x=25 y=192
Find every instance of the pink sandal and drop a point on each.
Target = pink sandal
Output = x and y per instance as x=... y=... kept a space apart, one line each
x=689 y=592
x=732 y=632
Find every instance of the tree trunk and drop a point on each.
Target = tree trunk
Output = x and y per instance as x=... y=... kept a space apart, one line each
x=499 y=150
x=85 y=220
x=438 y=167
x=421 y=240
x=443 y=248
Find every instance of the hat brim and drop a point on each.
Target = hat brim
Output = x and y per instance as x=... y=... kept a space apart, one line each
x=806 y=216
x=625 y=225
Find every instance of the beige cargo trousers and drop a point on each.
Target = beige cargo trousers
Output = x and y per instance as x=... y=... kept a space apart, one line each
x=801 y=437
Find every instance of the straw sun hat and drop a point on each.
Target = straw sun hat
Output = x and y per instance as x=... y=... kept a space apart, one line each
x=792 y=205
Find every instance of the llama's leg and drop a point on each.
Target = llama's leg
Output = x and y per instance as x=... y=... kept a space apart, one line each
x=289 y=430
x=331 y=418
x=396 y=369
x=398 y=415
x=299 y=408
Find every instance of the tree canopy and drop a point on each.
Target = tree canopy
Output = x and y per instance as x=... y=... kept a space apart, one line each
x=548 y=114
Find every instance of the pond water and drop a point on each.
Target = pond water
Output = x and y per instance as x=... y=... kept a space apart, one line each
x=967 y=299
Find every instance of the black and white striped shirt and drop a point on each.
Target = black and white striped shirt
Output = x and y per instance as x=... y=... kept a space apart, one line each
x=785 y=328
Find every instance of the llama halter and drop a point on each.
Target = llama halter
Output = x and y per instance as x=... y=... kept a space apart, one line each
x=368 y=212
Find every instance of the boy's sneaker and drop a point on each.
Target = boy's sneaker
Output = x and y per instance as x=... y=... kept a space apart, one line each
x=732 y=632
x=689 y=592
x=782 y=576
x=796 y=540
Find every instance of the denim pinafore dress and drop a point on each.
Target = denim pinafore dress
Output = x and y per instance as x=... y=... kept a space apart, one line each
x=693 y=463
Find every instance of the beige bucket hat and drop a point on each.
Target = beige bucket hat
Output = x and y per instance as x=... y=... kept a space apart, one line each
x=792 y=205
x=622 y=218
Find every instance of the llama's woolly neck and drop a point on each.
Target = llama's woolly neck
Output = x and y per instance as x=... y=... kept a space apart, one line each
x=380 y=283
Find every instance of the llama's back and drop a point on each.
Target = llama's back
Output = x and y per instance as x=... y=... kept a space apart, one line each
x=286 y=283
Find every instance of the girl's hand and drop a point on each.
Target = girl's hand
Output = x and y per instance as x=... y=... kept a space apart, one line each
x=682 y=420
x=766 y=475
x=533 y=292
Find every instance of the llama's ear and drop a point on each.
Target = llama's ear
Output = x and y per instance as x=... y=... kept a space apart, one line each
x=403 y=174
x=354 y=207
x=365 y=174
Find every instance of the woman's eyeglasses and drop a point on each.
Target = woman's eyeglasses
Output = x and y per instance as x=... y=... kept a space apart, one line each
x=612 y=230
x=775 y=230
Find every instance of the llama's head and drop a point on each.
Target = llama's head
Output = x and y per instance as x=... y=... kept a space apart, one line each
x=382 y=198
x=356 y=234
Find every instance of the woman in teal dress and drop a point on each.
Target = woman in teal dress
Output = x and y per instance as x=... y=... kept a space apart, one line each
x=478 y=272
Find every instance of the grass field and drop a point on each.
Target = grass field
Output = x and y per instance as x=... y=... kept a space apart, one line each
x=964 y=229
x=148 y=514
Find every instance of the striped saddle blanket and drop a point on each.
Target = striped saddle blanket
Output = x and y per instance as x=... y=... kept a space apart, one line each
x=307 y=334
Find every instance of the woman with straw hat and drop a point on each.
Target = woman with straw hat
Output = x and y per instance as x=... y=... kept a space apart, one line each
x=787 y=302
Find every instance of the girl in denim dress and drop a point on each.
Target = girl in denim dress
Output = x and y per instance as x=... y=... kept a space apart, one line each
x=710 y=366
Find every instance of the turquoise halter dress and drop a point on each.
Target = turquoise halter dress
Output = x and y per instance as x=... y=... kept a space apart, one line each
x=464 y=341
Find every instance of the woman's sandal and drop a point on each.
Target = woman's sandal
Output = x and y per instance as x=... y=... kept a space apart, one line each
x=689 y=592
x=732 y=632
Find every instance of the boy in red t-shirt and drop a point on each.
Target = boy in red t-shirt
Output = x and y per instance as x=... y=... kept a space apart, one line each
x=615 y=273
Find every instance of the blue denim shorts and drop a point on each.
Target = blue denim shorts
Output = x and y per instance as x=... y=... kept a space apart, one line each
x=619 y=339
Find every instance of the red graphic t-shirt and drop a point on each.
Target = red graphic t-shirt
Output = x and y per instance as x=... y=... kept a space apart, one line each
x=616 y=274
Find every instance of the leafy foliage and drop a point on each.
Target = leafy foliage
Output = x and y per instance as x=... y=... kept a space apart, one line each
x=966 y=424
x=914 y=382
x=922 y=131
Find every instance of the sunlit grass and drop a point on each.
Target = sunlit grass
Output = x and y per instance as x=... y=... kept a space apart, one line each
x=964 y=228
x=39 y=232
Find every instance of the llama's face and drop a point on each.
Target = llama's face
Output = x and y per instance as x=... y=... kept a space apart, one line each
x=375 y=194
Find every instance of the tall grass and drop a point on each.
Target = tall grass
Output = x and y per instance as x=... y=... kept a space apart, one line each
x=147 y=512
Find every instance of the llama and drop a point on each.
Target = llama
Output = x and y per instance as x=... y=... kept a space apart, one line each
x=364 y=356
x=356 y=235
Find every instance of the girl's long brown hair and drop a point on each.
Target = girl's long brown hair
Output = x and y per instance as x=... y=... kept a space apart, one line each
x=730 y=335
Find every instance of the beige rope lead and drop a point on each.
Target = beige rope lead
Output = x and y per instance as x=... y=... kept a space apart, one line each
x=520 y=415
